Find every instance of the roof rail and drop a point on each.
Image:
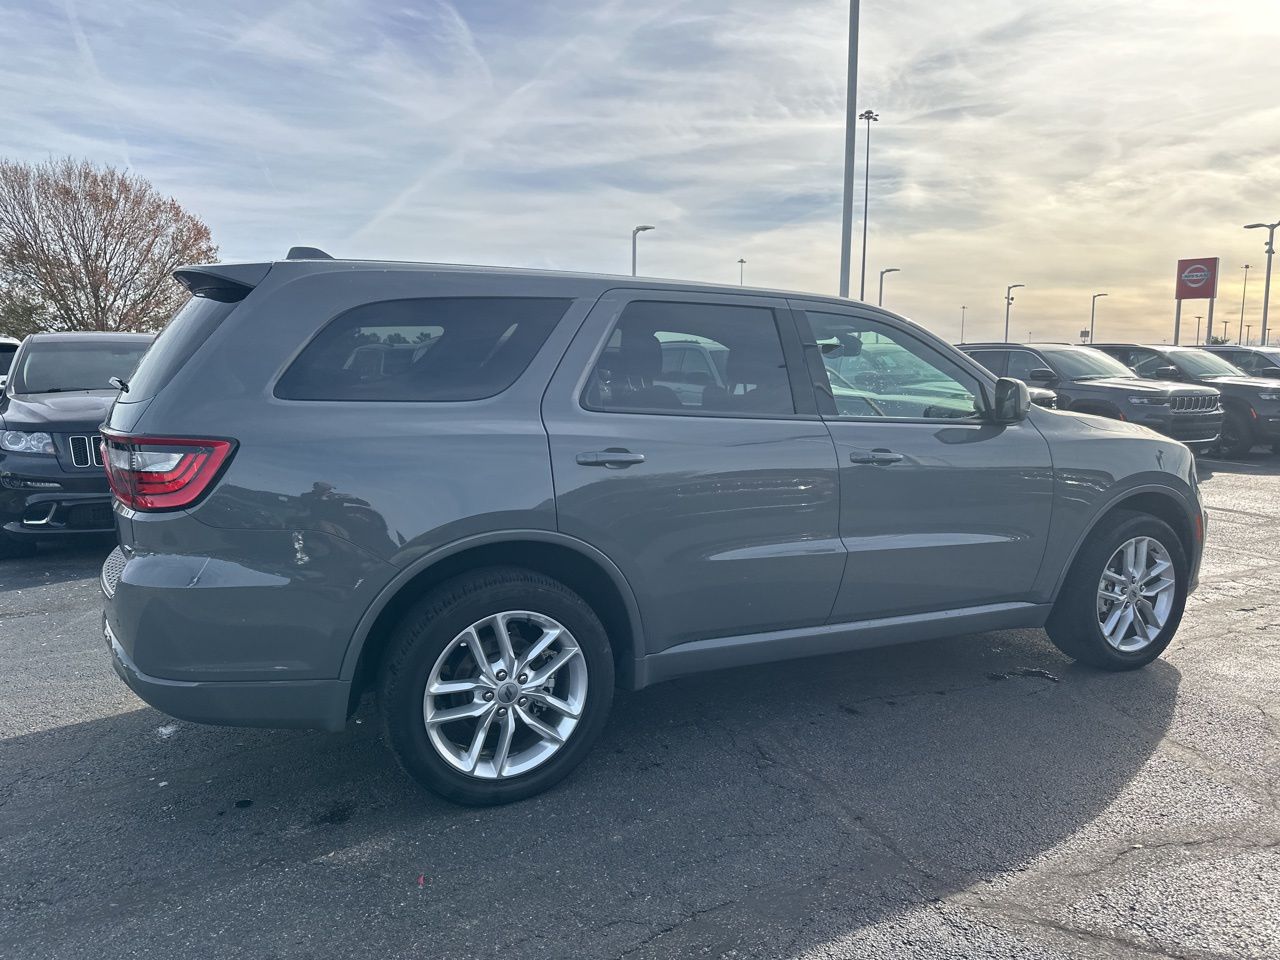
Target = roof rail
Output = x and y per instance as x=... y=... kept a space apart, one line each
x=307 y=253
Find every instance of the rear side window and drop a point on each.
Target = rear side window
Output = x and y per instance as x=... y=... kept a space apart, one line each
x=178 y=341
x=440 y=349
x=993 y=360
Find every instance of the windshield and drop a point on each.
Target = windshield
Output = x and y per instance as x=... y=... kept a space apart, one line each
x=1202 y=363
x=52 y=367
x=1081 y=363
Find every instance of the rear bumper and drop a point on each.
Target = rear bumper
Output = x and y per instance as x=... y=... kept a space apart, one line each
x=315 y=704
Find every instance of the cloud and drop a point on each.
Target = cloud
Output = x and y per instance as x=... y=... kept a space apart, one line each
x=1075 y=145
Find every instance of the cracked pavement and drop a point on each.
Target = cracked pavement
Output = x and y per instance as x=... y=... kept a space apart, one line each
x=976 y=797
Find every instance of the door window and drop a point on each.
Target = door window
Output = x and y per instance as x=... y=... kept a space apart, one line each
x=993 y=360
x=876 y=370
x=1021 y=363
x=705 y=359
x=1144 y=363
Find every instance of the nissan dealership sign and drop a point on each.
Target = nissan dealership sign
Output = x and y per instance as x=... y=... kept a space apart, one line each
x=1197 y=279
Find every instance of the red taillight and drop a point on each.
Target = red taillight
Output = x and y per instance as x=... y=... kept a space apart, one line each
x=162 y=473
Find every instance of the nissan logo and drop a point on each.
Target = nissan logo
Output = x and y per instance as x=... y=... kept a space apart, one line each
x=1196 y=275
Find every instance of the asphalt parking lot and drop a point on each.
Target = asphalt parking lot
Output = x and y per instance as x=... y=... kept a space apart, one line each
x=979 y=797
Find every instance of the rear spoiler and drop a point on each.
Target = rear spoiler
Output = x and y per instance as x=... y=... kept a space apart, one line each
x=225 y=282
x=231 y=282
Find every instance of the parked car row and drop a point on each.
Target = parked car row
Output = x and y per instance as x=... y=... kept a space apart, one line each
x=491 y=495
x=51 y=473
x=1191 y=394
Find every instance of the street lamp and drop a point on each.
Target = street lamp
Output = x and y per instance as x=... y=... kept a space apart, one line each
x=871 y=117
x=1093 y=310
x=1244 y=292
x=1248 y=334
x=742 y=266
x=635 y=230
x=850 y=136
x=963 y=308
x=1008 y=302
x=1270 y=248
x=1198 y=319
x=880 y=298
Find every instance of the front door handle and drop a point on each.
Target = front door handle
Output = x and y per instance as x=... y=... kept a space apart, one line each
x=613 y=458
x=878 y=456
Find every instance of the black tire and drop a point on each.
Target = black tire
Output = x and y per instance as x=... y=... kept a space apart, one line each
x=1237 y=434
x=1073 y=624
x=431 y=626
x=13 y=548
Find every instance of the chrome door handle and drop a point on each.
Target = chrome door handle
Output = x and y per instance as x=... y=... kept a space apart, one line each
x=879 y=457
x=609 y=458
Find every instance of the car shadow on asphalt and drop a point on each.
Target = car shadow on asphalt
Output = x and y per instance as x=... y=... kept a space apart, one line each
x=735 y=810
x=56 y=561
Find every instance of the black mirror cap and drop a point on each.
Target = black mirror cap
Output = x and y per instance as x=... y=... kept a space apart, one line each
x=1166 y=373
x=1042 y=375
x=1012 y=401
x=1268 y=373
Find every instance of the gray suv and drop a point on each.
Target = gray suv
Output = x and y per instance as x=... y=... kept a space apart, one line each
x=1089 y=381
x=470 y=490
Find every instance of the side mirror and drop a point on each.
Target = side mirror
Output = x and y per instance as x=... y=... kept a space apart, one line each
x=1267 y=373
x=1043 y=375
x=1166 y=373
x=1012 y=401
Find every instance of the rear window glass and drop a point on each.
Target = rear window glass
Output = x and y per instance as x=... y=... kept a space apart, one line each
x=180 y=338
x=62 y=366
x=439 y=349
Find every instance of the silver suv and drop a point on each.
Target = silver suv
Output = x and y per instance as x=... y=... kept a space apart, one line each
x=483 y=494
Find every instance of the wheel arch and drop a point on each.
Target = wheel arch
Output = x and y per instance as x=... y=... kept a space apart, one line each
x=1160 y=502
x=578 y=565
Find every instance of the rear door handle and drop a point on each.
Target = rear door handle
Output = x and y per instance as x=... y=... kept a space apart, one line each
x=609 y=458
x=877 y=456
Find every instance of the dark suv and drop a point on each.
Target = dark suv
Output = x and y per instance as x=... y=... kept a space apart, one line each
x=471 y=490
x=1261 y=362
x=51 y=477
x=1088 y=381
x=1252 y=404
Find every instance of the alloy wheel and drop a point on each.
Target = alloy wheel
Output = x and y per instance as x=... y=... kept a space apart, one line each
x=1136 y=594
x=505 y=695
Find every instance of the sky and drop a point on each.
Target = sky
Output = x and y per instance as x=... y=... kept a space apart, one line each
x=1074 y=146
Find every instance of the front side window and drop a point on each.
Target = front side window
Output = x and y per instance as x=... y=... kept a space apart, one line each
x=876 y=370
x=442 y=349
x=1022 y=362
x=705 y=359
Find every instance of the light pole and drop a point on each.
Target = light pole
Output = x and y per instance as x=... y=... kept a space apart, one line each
x=1093 y=310
x=635 y=230
x=850 y=137
x=1008 y=302
x=880 y=298
x=1244 y=292
x=1198 y=319
x=1270 y=248
x=742 y=266
x=963 y=308
x=1248 y=334
x=871 y=117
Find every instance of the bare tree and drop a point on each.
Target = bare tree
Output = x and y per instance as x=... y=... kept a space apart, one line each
x=90 y=248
